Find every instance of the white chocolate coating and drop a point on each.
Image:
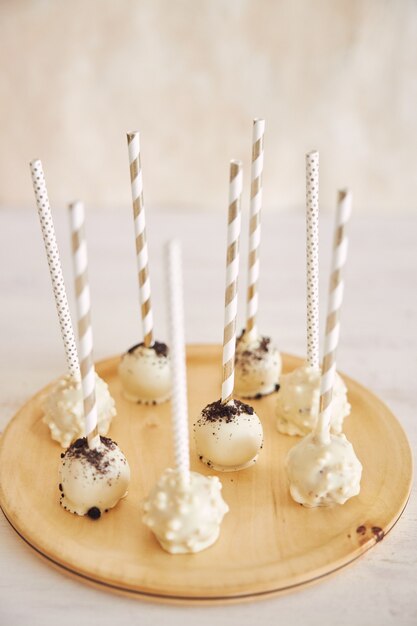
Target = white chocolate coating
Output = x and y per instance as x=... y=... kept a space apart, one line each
x=298 y=402
x=145 y=375
x=185 y=517
x=322 y=474
x=64 y=412
x=257 y=366
x=230 y=442
x=93 y=478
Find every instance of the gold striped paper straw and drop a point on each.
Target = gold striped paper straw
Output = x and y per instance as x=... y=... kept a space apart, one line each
x=133 y=143
x=255 y=222
x=312 y=223
x=232 y=271
x=336 y=288
x=85 y=333
x=55 y=269
x=179 y=408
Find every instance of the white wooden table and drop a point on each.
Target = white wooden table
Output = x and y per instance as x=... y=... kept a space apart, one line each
x=378 y=348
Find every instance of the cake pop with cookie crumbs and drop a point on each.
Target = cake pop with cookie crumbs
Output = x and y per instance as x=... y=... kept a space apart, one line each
x=258 y=361
x=297 y=407
x=94 y=473
x=257 y=365
x=145 y=373
x=92 y=480
x=228 y=434
x=323 y=468
x=144 y=370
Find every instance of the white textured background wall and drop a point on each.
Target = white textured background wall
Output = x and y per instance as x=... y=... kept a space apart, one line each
x=339 y=75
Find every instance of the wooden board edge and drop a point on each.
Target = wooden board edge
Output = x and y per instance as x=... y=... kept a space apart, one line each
x=156 y=598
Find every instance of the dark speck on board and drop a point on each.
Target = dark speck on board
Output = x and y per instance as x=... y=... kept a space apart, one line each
x=378 y=533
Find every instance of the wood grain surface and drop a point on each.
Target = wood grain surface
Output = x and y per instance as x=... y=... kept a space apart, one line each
x=268 y=543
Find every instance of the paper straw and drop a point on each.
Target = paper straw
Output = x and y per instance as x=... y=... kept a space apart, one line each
x=232 y=271
x=179 y=408
x=336 y=288
x=85 y=333
x=55 y=269
x=312 y=214
x=255 y=222
x=133 y=143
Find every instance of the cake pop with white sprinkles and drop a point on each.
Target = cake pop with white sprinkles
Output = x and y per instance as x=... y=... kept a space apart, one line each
x=297 y=406
x=64 y=413
x=185 y=509
x=63 y=404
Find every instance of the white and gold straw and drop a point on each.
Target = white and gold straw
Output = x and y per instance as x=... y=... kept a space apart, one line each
x=255 y=222
x=312 y=222
x=133 y=142
x=85 y=333
x=55 y=269
x=336 y=288
x=232 y=271
x=179 y=406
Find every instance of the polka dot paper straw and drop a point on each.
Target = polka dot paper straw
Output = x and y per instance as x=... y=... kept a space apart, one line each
x=179 y=406
x=312 y=208
x=336 y=288
x=133 y=142
x=85 y=333
x=232 y=271
x=55 y=269
x=255 y=222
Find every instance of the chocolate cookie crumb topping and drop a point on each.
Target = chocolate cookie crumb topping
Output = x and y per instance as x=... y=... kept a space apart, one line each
x=161 y=349
x=96 y=457
x=94 y=512
x=218 y=411
x=250 y=355
x=263 y=346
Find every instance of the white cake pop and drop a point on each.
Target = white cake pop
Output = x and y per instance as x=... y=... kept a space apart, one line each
x=228 y=436
x=322 y=473
x=64 y=412
x=185 y=515
x=184 y=509
x=92 y=480
x=145 y=374
x=257 y=366
x=298 y=400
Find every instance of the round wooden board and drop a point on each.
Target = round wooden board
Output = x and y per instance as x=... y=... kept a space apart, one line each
x=268 y=544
